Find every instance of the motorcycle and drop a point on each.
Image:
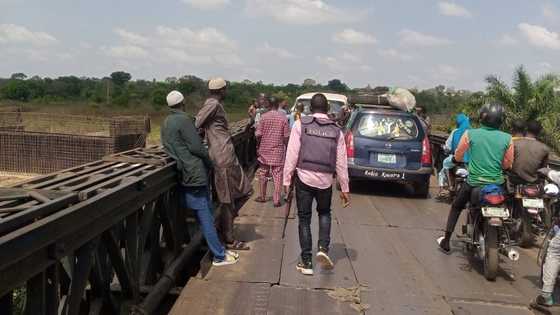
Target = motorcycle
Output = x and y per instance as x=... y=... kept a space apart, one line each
x=486 y=232
x=531 y=206
x=461 y=174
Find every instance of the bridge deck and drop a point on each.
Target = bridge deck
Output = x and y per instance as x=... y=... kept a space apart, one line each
x=385 y=258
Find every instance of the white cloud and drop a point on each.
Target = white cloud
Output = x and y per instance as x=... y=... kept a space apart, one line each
x=539 y=36
x=453 y=9
x=180 y=46
x=352 y=37
x=507 y=40
x=550 y=12
x=207 y=39
x=350 y=57
x=395 y=54
x=16 y=34
x=125 y=52
x=281 y=53
x=301 y=12
x=446 y=73
x=414 y=38
x=132 y=38
x=545 y=65
x=207 y=4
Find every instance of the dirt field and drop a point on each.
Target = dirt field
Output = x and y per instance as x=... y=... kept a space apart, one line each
x=11 y=179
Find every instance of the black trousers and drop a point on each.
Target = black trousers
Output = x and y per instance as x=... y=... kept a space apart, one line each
x=461 y=200
x=304 y=198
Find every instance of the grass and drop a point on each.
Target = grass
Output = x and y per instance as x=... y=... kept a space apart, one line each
x=234 y=113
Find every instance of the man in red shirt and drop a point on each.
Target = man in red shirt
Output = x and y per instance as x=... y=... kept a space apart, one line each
x=272 y=137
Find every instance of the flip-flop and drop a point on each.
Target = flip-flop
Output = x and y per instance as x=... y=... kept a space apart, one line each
x=237 y=245
x=261 y=200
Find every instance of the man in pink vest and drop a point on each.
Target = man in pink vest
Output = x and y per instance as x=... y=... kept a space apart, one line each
x=316 y=152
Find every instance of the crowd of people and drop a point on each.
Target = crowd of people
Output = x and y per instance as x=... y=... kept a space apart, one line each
x=293 y=149
x=307 y=152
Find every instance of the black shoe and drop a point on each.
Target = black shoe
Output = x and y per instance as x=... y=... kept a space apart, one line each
x=305 y=268
x=443 y=245
x=547 y=301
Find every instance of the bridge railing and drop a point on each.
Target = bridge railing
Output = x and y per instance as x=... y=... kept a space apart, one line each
x=100 y=237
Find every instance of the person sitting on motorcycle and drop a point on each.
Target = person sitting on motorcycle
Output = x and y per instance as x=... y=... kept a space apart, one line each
x=463 y=124
x=530 y=156
x=491 y=151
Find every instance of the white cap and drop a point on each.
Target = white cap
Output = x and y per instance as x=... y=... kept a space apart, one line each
x=174 y=98
x=216 y=84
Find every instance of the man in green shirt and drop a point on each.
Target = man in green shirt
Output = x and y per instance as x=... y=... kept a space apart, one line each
x=181 y=141
x=491 y=152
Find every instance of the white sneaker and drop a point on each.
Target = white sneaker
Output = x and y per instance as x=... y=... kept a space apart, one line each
x=229 y=260
x=324 y=260
x=306 y=269
x=232 y=253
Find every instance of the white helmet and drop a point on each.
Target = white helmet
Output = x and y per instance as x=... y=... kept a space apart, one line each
x=216 y=84
x=174 y=98
x=551 y=189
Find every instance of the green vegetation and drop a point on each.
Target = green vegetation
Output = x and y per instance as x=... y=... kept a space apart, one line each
x=119 y=94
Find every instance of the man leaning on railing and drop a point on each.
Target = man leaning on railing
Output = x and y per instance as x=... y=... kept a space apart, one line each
x=182 y=142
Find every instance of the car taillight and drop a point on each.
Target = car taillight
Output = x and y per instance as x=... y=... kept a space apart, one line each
x=349 y=139
x=426 y=152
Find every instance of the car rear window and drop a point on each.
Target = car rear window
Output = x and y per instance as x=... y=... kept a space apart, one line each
x=334 y=106
x=390 y=127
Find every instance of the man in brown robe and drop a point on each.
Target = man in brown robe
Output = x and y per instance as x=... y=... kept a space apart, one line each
x=229 y=178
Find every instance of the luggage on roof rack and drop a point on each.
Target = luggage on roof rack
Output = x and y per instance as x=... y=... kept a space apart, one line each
x=397 y=98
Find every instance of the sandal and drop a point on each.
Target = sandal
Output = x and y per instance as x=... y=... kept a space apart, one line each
x=237 y=245
x=261 y=200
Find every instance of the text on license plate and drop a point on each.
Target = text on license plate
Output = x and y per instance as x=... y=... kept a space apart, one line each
x=387 y=158
x=386 y=175
x=495 y=212
x=533 y=203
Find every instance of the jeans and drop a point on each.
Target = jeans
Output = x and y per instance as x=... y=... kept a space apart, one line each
x=304 y=198
x=461 y=199
x=198 y=200
x=551 y=265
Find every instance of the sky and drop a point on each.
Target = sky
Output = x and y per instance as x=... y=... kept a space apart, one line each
x=414 y=43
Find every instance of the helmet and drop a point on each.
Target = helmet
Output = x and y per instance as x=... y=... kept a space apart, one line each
x=174 y=98
x=491 y=115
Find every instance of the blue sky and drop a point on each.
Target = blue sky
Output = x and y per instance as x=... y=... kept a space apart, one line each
x=417 y=43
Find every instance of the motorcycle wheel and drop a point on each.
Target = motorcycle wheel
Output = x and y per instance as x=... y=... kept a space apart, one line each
x=490 y=252
x=526 y=234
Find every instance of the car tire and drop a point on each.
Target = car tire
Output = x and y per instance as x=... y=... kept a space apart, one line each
x=422 y=189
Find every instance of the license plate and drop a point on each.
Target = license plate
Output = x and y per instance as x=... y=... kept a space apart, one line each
x=495 y=212
x=533 y=203
x=384 y=175
x=387 y=158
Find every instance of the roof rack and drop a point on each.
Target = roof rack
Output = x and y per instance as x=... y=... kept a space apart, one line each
x=389 y=107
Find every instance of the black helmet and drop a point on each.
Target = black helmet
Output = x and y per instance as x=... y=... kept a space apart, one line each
x=491 y=115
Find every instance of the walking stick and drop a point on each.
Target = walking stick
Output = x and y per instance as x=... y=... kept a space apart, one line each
x=288 y=206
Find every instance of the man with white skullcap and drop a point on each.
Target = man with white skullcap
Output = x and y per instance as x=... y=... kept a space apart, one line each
x=182 y=142
x=232 y=186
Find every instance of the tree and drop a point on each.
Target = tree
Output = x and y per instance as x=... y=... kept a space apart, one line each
x=16 y=90
x=18 y=76
x=309 y=83
x=337 y=86
x=529 y=100
x=119 y=78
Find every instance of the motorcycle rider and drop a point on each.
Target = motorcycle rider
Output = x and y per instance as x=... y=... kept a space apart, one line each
x=491 y=151
x=530 y=156
x=445 y=175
